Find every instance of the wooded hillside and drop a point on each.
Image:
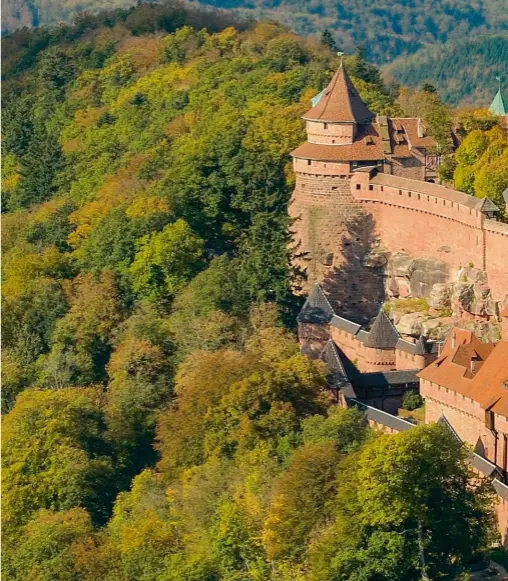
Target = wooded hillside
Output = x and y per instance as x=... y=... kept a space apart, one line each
x=160 y=423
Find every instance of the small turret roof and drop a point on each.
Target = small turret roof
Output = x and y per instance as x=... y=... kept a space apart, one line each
x=339 y=102
x=487 y=205
x=317 y=308
x=498 y=105
x=383 y=334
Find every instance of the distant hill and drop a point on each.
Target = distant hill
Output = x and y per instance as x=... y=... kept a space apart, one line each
x=465 y=73
x=387 y=29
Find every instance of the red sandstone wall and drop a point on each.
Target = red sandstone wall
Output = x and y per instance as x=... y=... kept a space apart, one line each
x=496 y=257
x=467 y=419
x=322 y=207
x=406 y=360
x=424 y=226
x=432 y=227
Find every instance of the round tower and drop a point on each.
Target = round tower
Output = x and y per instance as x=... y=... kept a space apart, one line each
x=330 y=232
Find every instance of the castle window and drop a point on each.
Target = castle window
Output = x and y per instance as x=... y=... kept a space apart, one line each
x=371 y=187
x=325 y=125
x=308 y=162
x=358 y=186
x=382 y=188
x=490 y=421
x=400 y=192
x=409 y=194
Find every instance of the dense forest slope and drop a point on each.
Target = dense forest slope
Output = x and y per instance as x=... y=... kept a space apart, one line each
x=159 y=422
x=464 y=72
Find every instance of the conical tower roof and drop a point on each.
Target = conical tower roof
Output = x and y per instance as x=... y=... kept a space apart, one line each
x=383 y=334
x=498 y=106
x=339 y=102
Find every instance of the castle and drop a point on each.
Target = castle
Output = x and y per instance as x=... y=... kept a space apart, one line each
x=369 y=223
x=361 y=199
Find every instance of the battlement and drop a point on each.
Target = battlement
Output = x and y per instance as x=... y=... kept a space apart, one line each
x=433 y=221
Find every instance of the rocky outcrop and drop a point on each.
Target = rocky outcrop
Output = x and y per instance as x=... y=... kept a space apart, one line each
x=452 y=297
x=411 y=324
x=439 y=298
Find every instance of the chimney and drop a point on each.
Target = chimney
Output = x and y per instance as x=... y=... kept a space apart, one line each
x=473 y=365
x=454 y=340
x=419 y=128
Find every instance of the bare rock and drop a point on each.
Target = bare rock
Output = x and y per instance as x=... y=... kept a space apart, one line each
x=427 y=272
x=411 y=324
x=430 y=326
x=474 y=275
x=462 y=297
x=440 y=295
x=401 y=264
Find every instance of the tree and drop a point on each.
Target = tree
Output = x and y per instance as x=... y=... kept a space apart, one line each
x=45 y=548
x=411 y=401
x=328 y=40
x=82 y=339
x=55 y=457
x=300 y=495
x=346 y=428
x=166 y=261
x=407 y=484
x=39 y=169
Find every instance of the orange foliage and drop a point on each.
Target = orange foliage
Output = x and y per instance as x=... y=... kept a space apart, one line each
x=117 y=190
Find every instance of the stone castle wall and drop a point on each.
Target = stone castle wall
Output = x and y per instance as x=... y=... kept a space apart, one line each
x=443 y=226
x=322 y=206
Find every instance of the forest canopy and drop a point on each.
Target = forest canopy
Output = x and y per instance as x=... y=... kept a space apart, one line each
x=159 y=421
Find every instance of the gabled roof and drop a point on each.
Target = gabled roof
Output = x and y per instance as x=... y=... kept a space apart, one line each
x=339 y=102
x=383 y=334
x=317 y=308
x=498 y=106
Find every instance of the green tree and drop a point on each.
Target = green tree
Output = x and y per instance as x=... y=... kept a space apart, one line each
x=45 y=548
x=166 y=261
x=55 y=457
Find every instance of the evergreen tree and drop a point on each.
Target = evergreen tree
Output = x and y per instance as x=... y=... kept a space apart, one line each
x=328 y=40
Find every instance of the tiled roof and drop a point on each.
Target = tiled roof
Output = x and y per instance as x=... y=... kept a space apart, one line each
x=488 y=385
x=362 y=335
x=345 y=325
x=498 y=106
x=500 y=488
x=340 y=102
x=487 y=205
x=366 y=147
x=410 y=127
x=383 y=334
x=317 y=308
x=383 y=418
x=418 y=348
x=387 y=378
x=333 y=360
x=482 y=465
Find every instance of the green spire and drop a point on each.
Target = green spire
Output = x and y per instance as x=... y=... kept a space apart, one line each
x=498 y=107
